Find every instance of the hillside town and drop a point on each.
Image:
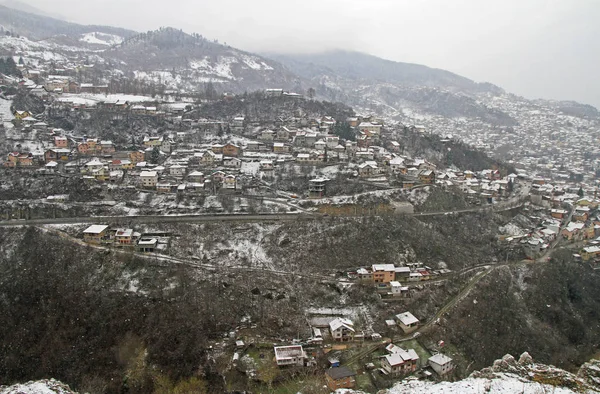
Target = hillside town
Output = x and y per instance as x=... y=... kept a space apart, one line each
x=114 y=164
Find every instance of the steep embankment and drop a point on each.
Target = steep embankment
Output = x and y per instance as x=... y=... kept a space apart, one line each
x=549 y=309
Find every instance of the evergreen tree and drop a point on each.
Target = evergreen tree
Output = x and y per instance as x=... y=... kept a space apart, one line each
x=345 y=131
x=155 y=155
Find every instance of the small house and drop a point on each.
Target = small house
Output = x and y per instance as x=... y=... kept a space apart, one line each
x=340 y=378
x=441 y=364
x=402 y=362
x=95 y=234
x=147 y=245
x=341 y=329
x=407 y=321
x=290 y=355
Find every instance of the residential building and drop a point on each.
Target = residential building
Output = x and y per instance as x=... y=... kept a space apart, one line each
x=196 y=176
x=441 y=364
x=316 y=187
x=61 y=141
x=230 y=182
x=341 y=329
x=590 y=253
x=280 y=147
x=57 y=154
x=177 y=170
x=149 y=179
x=137 y=156
x=124 y=236
x=232 y=150
x=383 y=273
x=402 y=362
x=147 y=245
x=290 y=356
x=17 y=159
x=407 y=322
x=95 y=234
x=340 y=378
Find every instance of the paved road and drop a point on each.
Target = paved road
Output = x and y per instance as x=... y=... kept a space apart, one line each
x=222 y=217
x=160 y=219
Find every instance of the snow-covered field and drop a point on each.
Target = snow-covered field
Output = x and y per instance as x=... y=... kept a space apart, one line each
x=222 y=68
x=92 y=99
x=6 y=114
x=101 y=39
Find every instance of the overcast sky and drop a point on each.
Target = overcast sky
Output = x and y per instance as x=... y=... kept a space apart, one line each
x=535 y=48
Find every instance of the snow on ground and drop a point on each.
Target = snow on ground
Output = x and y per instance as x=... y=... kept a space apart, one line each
x=92 y=99
x=160 y=77
x=350 y=199
x=255 y=63
x=250 y=168
x=330 y=171
x=418 y=196
x=512 y=229
x=222 y=68
x=503 y=384
x=6 y=114
x=101 y=39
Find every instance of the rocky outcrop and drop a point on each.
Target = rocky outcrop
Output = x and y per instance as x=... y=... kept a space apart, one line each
x=509 y=375
x=38 y=387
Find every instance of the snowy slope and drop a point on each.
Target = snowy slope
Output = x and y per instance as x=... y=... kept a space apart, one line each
x=101 y=38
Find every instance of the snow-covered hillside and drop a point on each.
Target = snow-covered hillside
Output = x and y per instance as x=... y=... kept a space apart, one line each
x=101 y=39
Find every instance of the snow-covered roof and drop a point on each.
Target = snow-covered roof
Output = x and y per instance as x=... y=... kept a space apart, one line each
x=340 y=322
x=401 y=357
x=440 y=359
x=95 y=229
x=407 y=318
x=383 y=267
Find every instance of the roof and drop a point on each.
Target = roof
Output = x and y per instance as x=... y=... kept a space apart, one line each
x=340 y=322
x=574 y=226
x=384 y=267
x=407 y=318
x=402 y=356
x=592 y=249
x=124 y=232
x=340 y=372
x=95 y=229
x=148 y=174
x=440 y=359
x=283 y=352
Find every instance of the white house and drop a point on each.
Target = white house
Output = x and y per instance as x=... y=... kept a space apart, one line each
x=408 y=322
x=290 y=355
x=177 y=170
x=441 y=364
x=232 y=162
x=149 y=178
x=341 y=329
x=401 y=362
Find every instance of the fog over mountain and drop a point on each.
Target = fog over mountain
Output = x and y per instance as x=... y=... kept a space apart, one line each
x=537 y=48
